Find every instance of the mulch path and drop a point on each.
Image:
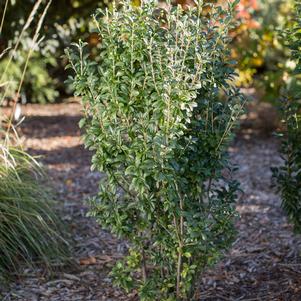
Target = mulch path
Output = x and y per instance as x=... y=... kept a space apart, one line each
x=263 y=264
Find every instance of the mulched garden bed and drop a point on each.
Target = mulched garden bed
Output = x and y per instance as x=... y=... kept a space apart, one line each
x=263 y=264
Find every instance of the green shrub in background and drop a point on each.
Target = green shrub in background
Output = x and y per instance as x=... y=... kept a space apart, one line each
x=263 y=59
x=289 y=175
x=159 y=113
x=38 y=85
x=67 y=21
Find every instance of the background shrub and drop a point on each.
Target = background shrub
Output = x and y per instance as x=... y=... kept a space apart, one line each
x=67 y=21
x=159 y=112
x=38 y=85
x=289 y=175
x=263 y=60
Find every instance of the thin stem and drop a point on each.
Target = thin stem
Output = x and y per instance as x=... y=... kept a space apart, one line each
x=230 y=125
x=181 y=244
x=34 y=41
x=144 y=268
x=152 y=66
x=3 y=16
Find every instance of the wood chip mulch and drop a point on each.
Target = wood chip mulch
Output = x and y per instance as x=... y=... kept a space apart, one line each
x=263 y=264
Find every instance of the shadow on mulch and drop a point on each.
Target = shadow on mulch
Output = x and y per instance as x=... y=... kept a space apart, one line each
x=51 y=126
x=76 y=155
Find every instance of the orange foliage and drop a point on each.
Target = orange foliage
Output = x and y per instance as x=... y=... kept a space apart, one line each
x=244 y=13
x=244 y=10
x=186 y=3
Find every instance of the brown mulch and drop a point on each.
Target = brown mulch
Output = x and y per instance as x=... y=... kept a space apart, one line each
x=263 y=264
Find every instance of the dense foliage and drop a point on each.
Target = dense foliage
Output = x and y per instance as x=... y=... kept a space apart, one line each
x=67 y=20
x=289 y=175
x=159 y=112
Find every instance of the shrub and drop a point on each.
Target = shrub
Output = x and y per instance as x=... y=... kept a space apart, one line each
x=159 y=112
x=262 y=58
x=66 y=22
x=38 y=86
x=289 y=175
